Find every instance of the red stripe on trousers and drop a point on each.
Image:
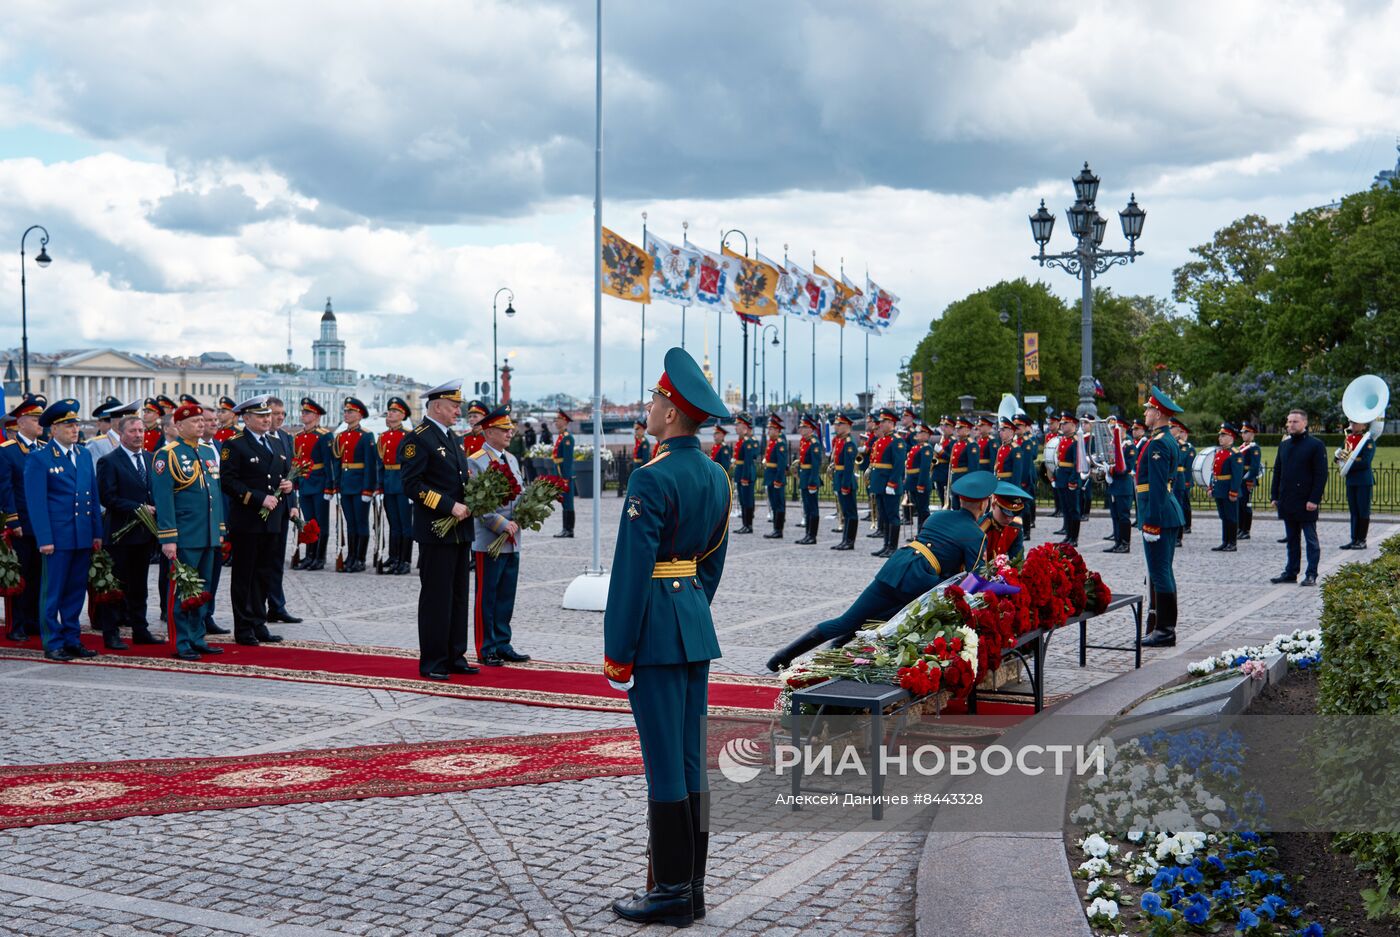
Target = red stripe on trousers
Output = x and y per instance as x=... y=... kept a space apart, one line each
x=478 y=623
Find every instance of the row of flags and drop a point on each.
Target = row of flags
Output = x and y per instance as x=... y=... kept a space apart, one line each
x=751 y=288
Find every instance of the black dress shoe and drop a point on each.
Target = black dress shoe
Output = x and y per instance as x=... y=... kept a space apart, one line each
x=1242 y=535
x=1349 y=546
x=514 y=656
x=115 y=644
x=77 y=650
x=436 y=675
x=493 y=661
x=1282 y=540
x=206 y=649
x=463 y=668
x=1280 y=579
x=284 y=618
x=1118 y=548
x=60 y=655
x=247 y=641
x=185 y=655
x=142 y=636
x=211 y=628
x=1309 y=581
x=267 y=637
x=18 y=636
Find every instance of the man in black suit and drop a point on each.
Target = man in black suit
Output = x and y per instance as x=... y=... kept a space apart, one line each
x=281 y=442
x=253 y=476
x=1300 y=476
x=124 y=488
x=434 y=471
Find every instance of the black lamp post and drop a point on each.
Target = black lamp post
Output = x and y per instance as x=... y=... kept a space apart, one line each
x=495 y=369
x=43 y=260
x=1087 y=260
x=766 y=407
x=1005 y=318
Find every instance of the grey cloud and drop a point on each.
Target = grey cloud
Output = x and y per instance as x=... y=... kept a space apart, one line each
x=222 y=210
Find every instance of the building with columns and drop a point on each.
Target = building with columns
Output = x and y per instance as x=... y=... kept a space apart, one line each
x=90 y=375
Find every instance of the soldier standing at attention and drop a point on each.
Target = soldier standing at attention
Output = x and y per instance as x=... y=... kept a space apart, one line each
x=154 y=436
x=720 y=453
x=809 y=476
x=1252 y=461
x=659 y=637
x=563 y=457
x=1227 y=481
x=313 y=453
x=1185 y=479
x=1030 y=471
x=745 y=470
x=843 y=480
x=189 y=520
x=887 y=457
x=396 y=507
x=473 y=438
x=1159 y=516
x=963 y=458
x=775 y=469
x=1120 y=488
x=356 y=478
x=641 y=446
x=918 y=468
x=1067 y=478
x=1360 y=481
x=14 y=452
x=942 y=450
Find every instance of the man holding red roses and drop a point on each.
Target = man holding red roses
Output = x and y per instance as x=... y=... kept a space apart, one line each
x=496 y=576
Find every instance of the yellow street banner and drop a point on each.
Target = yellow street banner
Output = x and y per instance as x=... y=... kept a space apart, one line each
x=752 y=290
x=916 y=386
x=1031 y=354
x=626 y=269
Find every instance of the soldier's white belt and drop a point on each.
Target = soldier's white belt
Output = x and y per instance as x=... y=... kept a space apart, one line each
x=669 y=569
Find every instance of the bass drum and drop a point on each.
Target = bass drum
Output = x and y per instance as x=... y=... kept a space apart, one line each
x=1049 y=453
x=1203 y=467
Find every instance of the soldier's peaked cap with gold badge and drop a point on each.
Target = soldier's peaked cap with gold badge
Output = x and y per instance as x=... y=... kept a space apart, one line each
x=255 y=405
x=100 y=412
x=306 y=404
x=452 y=390
x=1158 y=400
x=499 y=418
x=355 y=403
x=29 y=405
x=60 y=411
x=683 y=383
x=397 y=403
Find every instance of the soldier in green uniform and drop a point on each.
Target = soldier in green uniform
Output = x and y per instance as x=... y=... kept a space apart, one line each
x=746 y=458
x=1227 y=481
x=963 y=459
x=1001 y=525
x=563 y=458
x=1159 y=517
x=887 y=456
x=843 y=479
x=1030 y=470
x=1184 y=478
x=189 y=519
x=720 y=452
x=809 y=476
x=948 y=543
x=775 y=469
x=1067 y=477
x=942 y=450
x=641 y=447
x=1252 y=461
x=918 y=474
x=659 y=638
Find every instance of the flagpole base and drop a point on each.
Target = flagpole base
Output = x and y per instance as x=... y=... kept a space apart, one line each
x=588 y=592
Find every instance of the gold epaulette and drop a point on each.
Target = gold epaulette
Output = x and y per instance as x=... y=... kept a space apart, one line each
x=8 y=442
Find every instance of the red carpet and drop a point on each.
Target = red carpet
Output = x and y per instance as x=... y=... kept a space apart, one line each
x=31 y=795
x=538 y=683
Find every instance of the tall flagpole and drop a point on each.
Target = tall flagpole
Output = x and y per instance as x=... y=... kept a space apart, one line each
x=642 y=383
x=685 y=227
x=814 y=342
x=841 y=343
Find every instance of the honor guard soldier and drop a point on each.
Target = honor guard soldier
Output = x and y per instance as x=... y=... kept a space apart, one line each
x=496 y=577
x=963 y=459
x=746 y=459
x=986 y=447
x=14 y=451
x=312 y=447
x=1360 y=478
x=1252 y=461
x=563 y=458
x=1159 y=517
x=942 y=451
x=60 y=489
x=641 y=446
x=918 y=474
x=355 y=478
x=720 y=453
x=843 y=480
x=1120 y=489
x=227 y=420
x=948 y=543
x=1185 y=477
x=396 y=507
x=809 y=476
x=154 y=436
x=775 y=469
x=1030 y=471
x=472 y=439
x=1009 y=455
x=886 y=480
x=659 y=637
x=189 y=520
x=1052 y=431
x=1227 y=481
x=1067 y=480
x=1001 y=525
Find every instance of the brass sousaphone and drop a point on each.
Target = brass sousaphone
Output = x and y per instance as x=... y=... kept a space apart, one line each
x=1364 y=401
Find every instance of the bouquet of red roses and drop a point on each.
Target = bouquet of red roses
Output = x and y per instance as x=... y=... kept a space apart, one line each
x=536 y=503
x=482 y=494
x=189 y=588
x=103 y=585
x=11 y=572
x=308 y=532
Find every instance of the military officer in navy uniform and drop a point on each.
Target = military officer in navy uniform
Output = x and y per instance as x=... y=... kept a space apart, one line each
x=434 y=471
x=60 y=488
x=496 y=577
x=563 y=458
x=1227 y=481
x=1185 y=466
x=746 y=459
x=1001 y=525
x=1360 y=479
x=1252 y=461
x=809 y=476
x=356 y=478
x=887 y=457
x=1067 y=477
x=949 y=542
x=313 y=453
x=659 y=637
x=843 y=479
x=1159 y=516
x=22 y=440
x=775 y=471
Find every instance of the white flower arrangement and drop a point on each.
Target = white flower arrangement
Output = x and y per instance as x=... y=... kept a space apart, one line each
x=1103 y=913
x=1298 y=646
x=585 y=454
x=540 y=450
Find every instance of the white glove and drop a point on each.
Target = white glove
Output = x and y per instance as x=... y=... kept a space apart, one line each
x=622 y=687
x=366 y=498
x=1151 y=538
x=327 y=496
x=889 y=489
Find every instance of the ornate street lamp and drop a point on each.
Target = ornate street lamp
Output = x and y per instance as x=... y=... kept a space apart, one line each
x=495 y=369
x=43 y=260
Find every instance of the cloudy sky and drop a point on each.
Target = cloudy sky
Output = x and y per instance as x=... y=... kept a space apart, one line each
x=206 y=169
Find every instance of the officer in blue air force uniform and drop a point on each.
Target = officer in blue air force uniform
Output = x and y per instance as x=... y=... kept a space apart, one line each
x=60 y=486
x=659 y=637
x=949 y=543
x=1159 y=516
x=14 y=451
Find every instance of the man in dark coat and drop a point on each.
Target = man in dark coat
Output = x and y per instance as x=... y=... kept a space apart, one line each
x=1300 y=475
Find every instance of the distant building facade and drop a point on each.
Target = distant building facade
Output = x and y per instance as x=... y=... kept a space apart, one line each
x=90 y=375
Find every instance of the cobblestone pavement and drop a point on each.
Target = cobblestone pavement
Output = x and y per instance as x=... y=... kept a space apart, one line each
x=534 y=859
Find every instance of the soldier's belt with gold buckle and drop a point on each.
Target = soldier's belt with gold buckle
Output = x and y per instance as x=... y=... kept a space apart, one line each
x=673 y=569
x=352 y=465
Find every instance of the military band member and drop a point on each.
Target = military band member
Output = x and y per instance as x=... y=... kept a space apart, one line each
x=563 y=458
x=1360 y=479
x=720 y=452
x=986 y=445
x=641 y=446
x=473 y=438
x=1002 y=525
x=1052 y=431
x=397 y=509
x=154 y=436
x=843 y=479
x=1009 y=455
x=434 y=471
x=775 y=469
x=746 y=459
x=14 y=451
x=809 y=476
x=1120 y=488
x=964 y=458
x=1089 y=442
x=1030 y=470
x=918 y=474
x=1159 y=516
x=60 y=488
x=189 y=520
x=948 y=543
x=887 y=457
x=496 y=578
x=1067 y=478
x=659 y=637
x=313 y=453
x=908 y=426
x=942 y=452
x=1252 y=460
x=355 y=477
x=1227 y=481
x=1185 y=478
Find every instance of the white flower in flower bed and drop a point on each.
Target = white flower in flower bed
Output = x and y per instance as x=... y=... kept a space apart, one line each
x=1103 y=912
x=1299 y=646
x=540 y=450
x=1094 y=868
x=1096 y=846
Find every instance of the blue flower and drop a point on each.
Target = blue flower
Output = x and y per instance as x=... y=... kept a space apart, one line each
x=1216 y=862
x=1258 y=877
x=1197 y=913
x=1247 y=920
x=1192 y=876
x=1176 y=894
x=1153 y=905
x=1312 y=930
x=1226 y=891
x=1249 y=837
x=1265 y=910
x=1164 y=879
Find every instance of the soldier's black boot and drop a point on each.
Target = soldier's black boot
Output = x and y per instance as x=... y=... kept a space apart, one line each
x=784 y=657
x=810 y=525
x=1165 y=635
x=746 y=516
x=406 y=558
x=700 y=846
x=672 y=862
x=568 y=531
x=777 y=532
x=848 y=535
x=1363 y=527
x=891 y=541
x=1151 y=609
